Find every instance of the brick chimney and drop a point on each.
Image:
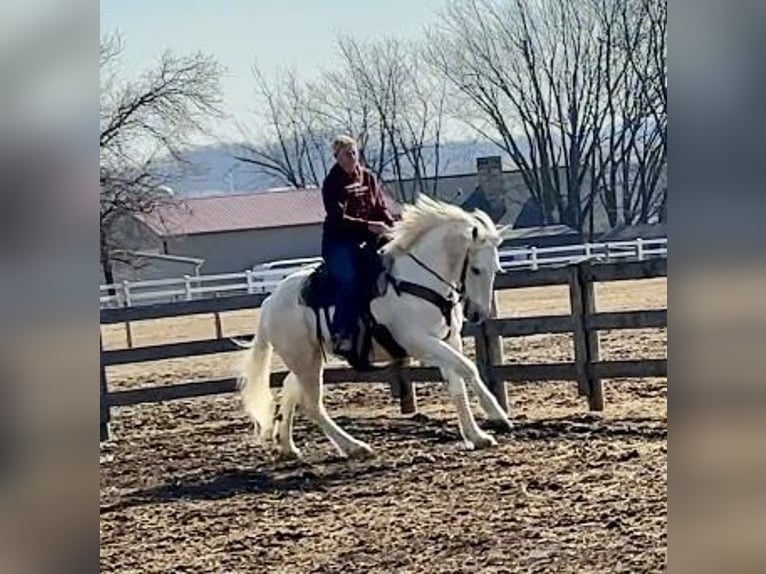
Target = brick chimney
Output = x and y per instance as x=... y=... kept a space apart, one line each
x=490 y=181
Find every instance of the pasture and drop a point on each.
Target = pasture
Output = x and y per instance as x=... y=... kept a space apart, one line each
x=185 y=489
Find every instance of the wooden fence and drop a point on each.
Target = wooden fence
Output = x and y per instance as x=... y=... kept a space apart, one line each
x=584 y=323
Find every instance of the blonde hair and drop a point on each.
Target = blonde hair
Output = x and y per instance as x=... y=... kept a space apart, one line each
x=342 y=142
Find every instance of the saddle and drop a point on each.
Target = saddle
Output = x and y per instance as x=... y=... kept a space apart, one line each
x=317 y=293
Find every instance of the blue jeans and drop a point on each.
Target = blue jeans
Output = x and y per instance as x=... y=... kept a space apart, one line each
x=342 y=260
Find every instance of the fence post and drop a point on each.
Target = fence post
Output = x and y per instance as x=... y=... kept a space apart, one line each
x=218 y=327
x=403 y=389
x=489 y=352
x=104 y=414
x=217 y=319
x=583 y=303
x=126 y=302
x=126 y=293
x=187 y=287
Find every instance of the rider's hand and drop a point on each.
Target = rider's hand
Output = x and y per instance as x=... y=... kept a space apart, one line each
x=378 y=227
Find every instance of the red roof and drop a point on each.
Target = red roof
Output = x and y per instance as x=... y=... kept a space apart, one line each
x=238 y=212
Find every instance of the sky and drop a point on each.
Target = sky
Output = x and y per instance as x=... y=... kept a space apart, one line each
x=297 y=34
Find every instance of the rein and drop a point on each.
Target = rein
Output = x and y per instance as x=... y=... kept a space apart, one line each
x=459 y=290
x=444 y=304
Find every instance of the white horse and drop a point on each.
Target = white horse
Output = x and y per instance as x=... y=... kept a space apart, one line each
x=435 y=245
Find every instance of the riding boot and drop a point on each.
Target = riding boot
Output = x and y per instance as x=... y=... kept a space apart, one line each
x=342 y=343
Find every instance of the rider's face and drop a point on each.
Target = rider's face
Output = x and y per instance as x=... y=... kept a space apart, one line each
x=348 y=158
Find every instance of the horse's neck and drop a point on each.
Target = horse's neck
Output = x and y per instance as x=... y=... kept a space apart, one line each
x=437 y=250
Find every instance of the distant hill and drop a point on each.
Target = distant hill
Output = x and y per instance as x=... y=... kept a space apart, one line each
x=213 y=169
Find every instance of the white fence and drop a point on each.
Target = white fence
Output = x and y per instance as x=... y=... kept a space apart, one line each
x=265 y=279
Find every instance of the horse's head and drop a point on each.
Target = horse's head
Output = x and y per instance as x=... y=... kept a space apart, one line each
x=480 y=267
x=456 y=246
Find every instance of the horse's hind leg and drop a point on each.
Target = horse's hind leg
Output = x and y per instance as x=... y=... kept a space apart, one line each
x=284 y=417
x=312 y=403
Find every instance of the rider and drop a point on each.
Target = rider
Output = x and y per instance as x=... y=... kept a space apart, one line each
x=356 y=219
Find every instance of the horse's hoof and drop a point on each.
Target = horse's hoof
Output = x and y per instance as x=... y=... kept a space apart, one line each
x=480 y=442
x=292 y=454
x=499 y=425
x=361 y=451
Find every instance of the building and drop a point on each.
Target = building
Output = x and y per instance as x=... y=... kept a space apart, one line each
x=632 y=232
x=223 y=233
x=231 y=232
x=502 y=194
x=148 y=265
x=542 y=236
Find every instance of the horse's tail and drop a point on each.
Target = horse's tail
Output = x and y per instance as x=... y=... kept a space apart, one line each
x=254 y=383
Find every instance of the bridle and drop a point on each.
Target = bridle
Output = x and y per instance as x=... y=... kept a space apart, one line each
x=458 y=289
x=444 y=304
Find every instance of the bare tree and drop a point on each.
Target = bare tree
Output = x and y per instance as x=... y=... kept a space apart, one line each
x=648 y=63
x=293 y=142
x=140 y=120
x=612 y=154
x=421 y=131
x=406 y=104
x=630 y=163
x=379 y=93
x=342 y=107
x=552 y=83
x=529 y=71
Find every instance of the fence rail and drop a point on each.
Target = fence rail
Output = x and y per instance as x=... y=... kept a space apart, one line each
x=584 y=322
x=265 y=279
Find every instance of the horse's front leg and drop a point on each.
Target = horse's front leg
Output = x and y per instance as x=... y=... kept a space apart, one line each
x=455 y=368
x=473 y=435
x=487 y=400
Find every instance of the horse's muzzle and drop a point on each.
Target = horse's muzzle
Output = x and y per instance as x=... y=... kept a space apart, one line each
x=473 y=313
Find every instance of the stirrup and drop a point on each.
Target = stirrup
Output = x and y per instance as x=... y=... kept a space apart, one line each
x=359 y=364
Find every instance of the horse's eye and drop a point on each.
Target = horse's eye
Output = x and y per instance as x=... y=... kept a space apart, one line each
x=475 y=270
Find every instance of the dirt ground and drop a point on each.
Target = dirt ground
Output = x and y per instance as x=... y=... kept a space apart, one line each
x=185 y=489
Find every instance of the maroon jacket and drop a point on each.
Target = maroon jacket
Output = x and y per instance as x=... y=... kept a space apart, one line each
x=357 y=196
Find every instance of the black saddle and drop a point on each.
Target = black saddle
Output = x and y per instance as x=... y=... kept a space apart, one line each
x=318 y=292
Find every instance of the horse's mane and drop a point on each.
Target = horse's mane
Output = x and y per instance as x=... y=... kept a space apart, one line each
x=426 y=214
